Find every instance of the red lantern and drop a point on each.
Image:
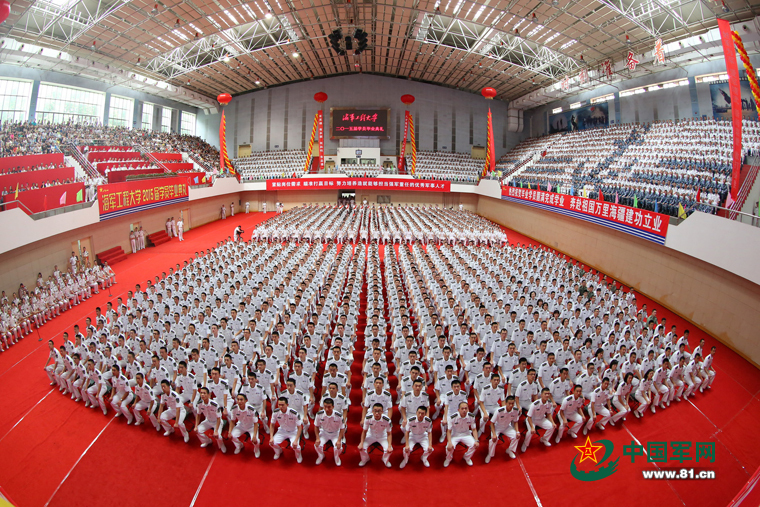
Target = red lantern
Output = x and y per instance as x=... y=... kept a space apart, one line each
x=5 y=10
x=224 y=98
x=407 y=99
x=320 y=97
x=488 y=92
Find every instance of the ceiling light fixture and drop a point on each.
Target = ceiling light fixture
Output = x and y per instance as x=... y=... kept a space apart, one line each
x=268 y=15
x=155 y=9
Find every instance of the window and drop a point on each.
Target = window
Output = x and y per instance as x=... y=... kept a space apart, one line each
x=147 y=116
x=188 y=124
x=60 y=104
x=120 y=112
x=603 y=98
x=14 y=99
x=166 y=119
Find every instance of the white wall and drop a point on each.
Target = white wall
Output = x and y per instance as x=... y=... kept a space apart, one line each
x=359 y=90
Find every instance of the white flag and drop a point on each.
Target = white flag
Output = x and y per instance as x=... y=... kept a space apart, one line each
x=63 y=199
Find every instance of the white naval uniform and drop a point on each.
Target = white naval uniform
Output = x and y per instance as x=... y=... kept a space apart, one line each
x=599 y=399
x=377 y=432
x=245 y=422
x=329 y=431
x=503 y=421
x=461 y=433
x=570 y=406
x=212 y=412
x=540 y=413
x=289 y=421
x=418 y=435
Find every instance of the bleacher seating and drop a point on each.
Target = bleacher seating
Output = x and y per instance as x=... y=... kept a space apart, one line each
x=360 y=171
x=440 y=165
x=656 y=166
x=263 y=165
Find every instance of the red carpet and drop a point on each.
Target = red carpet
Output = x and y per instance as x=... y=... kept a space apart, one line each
x=46 y=438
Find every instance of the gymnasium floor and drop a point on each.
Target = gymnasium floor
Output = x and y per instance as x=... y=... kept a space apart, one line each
x=57 y=452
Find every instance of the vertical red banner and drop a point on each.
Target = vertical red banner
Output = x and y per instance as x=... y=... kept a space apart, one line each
x=403 y=141
x=221 y=144
x=321 y=141
x=734 y=86
x=491 y=152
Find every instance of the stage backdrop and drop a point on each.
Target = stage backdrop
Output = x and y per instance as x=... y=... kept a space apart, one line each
x=118 y=199
x=595 y=115
x=721 y=101
x=359 y=183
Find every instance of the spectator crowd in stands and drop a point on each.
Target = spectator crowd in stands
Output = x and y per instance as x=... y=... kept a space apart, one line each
x=31 y=138
x=656 y=166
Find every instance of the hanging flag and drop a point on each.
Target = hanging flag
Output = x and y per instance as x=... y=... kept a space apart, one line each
x=656 y=206
x=63 y=199
x=699 y=193
x=548 y=187
x=403 y=141
x=616 y=198
x=80 y=197
x=195 y=180
x=414 y=145
x=734 y=88
x=311 y=143
x=681 y=211
x=729 y=200
x=224 y=161
x=490 y=155
x=44 y=203
x=601 y=196
x=521 y=184
x=16 y=196
x=585 y=193
x=635 y=201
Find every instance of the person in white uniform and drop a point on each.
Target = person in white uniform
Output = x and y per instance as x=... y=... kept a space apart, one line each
x=211 y=412
x=121 y=393
x=290 y=428
x=144 y=399
x=243 y=419
x=571 y=410
x=180 y=229
x=376 y=429
x=601 y=405
x=329 y=426
x=170 y=408
x=504 y=422
x=419 y=431
x=540 y=416
x=461 y=430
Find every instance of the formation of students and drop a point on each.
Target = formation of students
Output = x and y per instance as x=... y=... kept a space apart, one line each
x=263 y=340
x=28 y=309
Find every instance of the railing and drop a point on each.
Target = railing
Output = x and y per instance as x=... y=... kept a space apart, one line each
x=741 y=196
x=150 y=157
x=73 y=151
x=745 y=218
x=62 y=209
x=201 y=163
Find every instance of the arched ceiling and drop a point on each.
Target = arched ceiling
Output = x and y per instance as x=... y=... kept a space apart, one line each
x=221 y=45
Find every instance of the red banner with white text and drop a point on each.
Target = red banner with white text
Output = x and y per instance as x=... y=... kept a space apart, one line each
x=359 y=183
x=639 y=222
x=321 y=127
x=117 y=199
